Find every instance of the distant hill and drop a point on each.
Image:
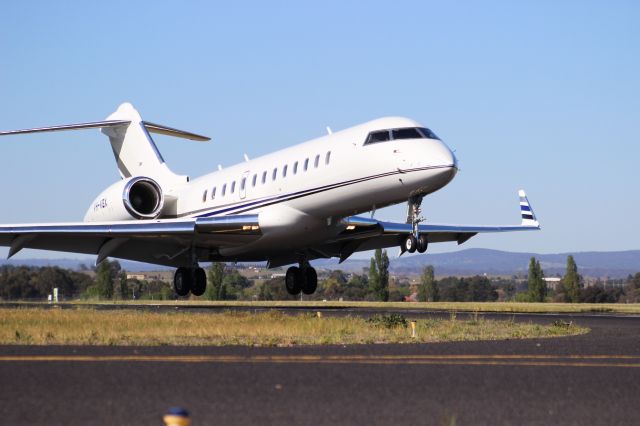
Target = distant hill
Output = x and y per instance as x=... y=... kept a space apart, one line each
x=77 y=264
x=495 y=262
x=617 y=264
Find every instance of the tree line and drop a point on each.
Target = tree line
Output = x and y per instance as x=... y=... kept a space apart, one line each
x=571 y=288
x=109 y=281
x=106 y=282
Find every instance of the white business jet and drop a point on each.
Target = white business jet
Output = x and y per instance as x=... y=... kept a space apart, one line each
x=288 y=207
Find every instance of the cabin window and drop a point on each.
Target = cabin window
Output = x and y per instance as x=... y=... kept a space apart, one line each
x=204 y=196
x=274 y=175
x=306 y=164
x=213 y=193
x=379 y=136
x=408 y=133
x=295 y=167
x=317 y=161
x=233 y=186
x=264 y=177
x=284 y=171
x=327 y=158
x=243 y=183
x=224 y=189
x=254 y=180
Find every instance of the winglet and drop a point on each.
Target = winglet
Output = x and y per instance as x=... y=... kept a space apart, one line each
x=528 y=216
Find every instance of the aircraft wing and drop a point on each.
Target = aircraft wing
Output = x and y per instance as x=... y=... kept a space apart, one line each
x=164 y=242
x=364 y=234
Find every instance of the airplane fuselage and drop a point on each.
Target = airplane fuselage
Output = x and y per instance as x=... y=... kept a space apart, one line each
x=303 y=191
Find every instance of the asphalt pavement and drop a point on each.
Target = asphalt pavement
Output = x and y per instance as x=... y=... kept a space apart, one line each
x=581 y=380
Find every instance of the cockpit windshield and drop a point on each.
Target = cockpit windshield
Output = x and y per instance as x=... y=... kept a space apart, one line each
x=408 y=133
x=428 y=133
x=402 y=133
x=375 y=137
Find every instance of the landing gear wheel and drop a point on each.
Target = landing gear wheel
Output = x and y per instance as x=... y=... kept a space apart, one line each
x=311 y=282
x=293 y=281
x=182 y=281
x=422 y=243
x=199 y=284
x=410 y=244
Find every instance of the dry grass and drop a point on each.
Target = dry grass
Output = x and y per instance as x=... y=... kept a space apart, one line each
x=132 y=328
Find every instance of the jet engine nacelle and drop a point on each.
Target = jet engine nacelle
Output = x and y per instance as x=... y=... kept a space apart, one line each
x=133 y=198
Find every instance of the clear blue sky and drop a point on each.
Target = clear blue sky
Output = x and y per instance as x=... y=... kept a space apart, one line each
x=541 y=95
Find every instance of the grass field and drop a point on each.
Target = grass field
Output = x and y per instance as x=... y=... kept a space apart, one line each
x=632 y=308
x=83 y=326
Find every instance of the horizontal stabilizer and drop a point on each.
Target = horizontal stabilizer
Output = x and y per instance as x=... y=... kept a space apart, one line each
x=79 y=126
x=151 y=128
x=169 y=131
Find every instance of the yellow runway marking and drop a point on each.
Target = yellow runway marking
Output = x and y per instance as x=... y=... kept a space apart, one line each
x=619 y=361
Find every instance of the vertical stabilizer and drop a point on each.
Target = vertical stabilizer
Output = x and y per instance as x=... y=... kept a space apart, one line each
x=135 y=152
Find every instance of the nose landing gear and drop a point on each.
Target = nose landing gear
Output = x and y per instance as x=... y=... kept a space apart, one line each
x=301 y=279
x=415 y=241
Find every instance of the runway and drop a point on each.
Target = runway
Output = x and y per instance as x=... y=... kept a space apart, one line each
x=588 y=379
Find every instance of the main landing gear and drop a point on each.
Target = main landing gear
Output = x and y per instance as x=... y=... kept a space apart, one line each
x=192 y=280
x=303 y=278
x=415 y=241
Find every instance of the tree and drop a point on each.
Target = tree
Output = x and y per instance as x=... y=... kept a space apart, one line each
x=481 y=290
x=635 y=280
x=509 y=291
x=537 y=286
x=233 y=285
x=571 y=282
x=428 y=290
x=215 y=277
x=331 y=288
x=124 y=288
x=357 y=288
x=105 y=277
x=632 y=288
x=379 y=275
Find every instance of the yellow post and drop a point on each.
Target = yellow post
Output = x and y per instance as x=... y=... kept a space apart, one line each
x=413 y=329
x=177 y=416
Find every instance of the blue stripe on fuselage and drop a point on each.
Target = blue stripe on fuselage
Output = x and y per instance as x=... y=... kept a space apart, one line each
x=279 y=198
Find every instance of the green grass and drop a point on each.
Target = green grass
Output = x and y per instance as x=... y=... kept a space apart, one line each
x=84 y=326
x=632 y=308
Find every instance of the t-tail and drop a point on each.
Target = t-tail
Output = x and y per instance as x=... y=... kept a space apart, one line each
x=528 y=216
x=135 y=151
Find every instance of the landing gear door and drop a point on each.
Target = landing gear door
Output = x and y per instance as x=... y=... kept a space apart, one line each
x=243 y=185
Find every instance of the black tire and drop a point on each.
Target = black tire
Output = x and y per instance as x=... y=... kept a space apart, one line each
x=410 y=244
x=182 y=281
x=311 y=282
x=293 y=281
x=423 y=244
x=199 y=282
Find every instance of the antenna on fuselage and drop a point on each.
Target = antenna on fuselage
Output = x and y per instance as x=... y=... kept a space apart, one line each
x=246 y=158
x=219 y=166
x=329 y=131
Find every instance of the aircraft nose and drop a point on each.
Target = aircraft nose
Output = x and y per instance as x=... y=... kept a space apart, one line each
x=441 y=155
x=443 y=158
